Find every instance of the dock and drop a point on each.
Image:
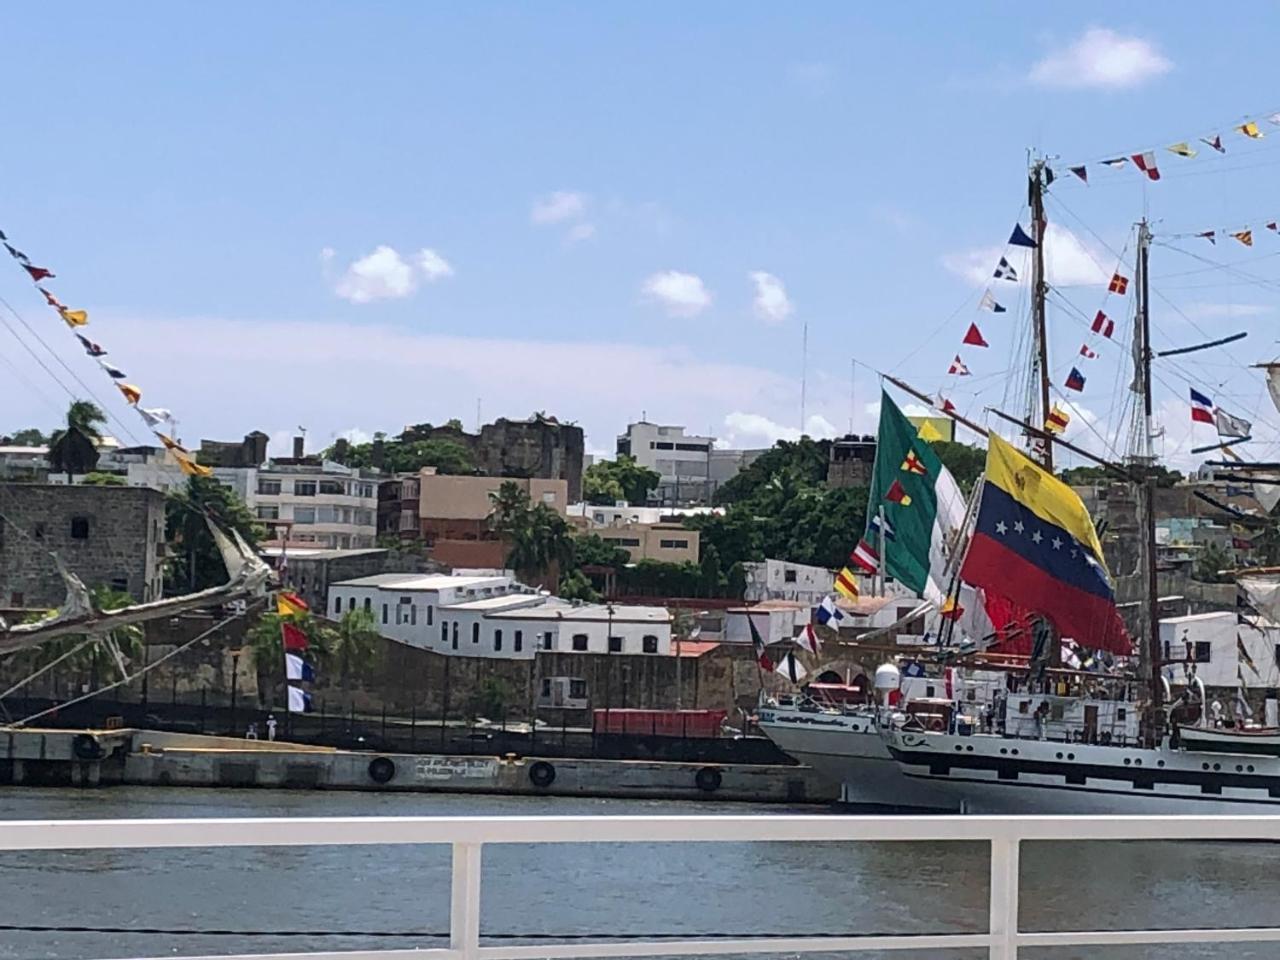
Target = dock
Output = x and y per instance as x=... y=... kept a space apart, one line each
x=99 y=758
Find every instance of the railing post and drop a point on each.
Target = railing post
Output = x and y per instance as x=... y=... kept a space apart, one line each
x=464 y=911
x=1004 y=898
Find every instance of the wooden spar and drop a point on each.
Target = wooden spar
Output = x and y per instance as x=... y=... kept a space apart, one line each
x=1120 y=472
x=1247 y=571
x=1039 y=288
x=925 y=398
x=1203 y=346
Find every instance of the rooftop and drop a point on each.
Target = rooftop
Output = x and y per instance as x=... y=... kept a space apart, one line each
x=321 y=553
x=557 y=609
x=416 y=581
x=502 y=602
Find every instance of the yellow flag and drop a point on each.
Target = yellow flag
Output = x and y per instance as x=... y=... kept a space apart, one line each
x=1250 y=129
x=170 y=443
x=847 y=584
x=190 y=467
x=290 y=604
x=74 y=318
x=1182 y=149
x=131 y=393
x=928 y=432
x=1245 y=237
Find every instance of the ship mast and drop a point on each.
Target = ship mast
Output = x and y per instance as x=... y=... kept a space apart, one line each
x=1142 y=460
x=1035 y=197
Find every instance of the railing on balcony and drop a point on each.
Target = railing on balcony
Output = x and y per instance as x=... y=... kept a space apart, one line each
x=469 y=835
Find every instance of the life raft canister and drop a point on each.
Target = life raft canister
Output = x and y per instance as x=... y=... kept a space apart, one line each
x=708 y=779
x=382 y=769
x=542 y=774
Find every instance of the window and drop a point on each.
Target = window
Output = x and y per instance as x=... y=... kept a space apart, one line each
x=413 y=615
x=578 y=689
x=1202 y=651
x=664 y=445
x=351 y=603
x=368 y=605
x=622 y=541
x=650 y=644
x=304 y=514
x=788 y=576
x=120 y=584
x=475 y=633
x=695 y=447
x=337 y=604
x=268 y=488
x=38 y=532
x=546 y=687
x=79 y=528
x=497 y=640
x=444 y=632
x=615 y=644
x=676 y=545
x=455 y=634
x=547 y=640
x=331 y=487
x=928 y=692
x=384 y=613
x=304 y=488
x=268 y=512
x=579 y=642
x=429 y=612
x=517 y=642
x=548 y=497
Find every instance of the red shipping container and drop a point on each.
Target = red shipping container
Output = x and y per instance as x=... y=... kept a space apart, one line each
x=661 y=723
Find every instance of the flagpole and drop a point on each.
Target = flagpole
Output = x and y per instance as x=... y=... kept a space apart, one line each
x=881 y=564
x=1039 y=224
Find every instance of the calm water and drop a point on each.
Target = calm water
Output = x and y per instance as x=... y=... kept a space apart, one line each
x=618 y=889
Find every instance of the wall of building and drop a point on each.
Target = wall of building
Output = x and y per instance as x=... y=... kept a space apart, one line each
x=668 y=542
x=540 y=447
x=781 y=580
x=468 y=499
x=1214 y=648
x=111 y=536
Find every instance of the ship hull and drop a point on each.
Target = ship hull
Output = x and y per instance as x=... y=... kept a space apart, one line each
x=993 y=775
x=848 y=750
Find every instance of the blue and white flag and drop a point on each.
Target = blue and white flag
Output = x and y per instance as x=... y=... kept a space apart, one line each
x=828 y=614
x=299 y=700
x=1005 y=271
x=295 y=668
x=877 y=523
x=913 y=669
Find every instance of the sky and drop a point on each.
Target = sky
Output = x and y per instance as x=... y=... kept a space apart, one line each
x=353 y=217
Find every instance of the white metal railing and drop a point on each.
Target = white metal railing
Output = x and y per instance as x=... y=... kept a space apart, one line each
x=468 y=835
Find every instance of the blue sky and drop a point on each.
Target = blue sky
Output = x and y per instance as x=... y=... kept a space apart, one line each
x=598 y=210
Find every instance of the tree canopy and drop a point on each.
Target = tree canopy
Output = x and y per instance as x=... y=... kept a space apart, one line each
x=537 y=537
x=448 y=456
x=793 y=463
x=608 y=481
x=196 y=562
x=966 y=462
x=74 y=448
x=27 y=437
x=1086 y=475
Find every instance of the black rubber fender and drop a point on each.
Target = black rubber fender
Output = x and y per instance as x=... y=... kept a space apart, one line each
x=708 y=779
x=85 y=746
x=542 y=774
x=382 y=769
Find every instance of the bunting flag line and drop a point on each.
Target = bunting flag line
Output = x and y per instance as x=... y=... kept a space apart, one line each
x=1215 y=141
x=17 y=254
x=115 y=373
x=763 y=660
x=1201 y=407
x=290 y=604
x=1250 y=129
x=1208 y=235
x=1244 y=236
x=91 y=348
x=1229 y=426
x=74 y=318
x=295 y=668
x=1118 y=285
x=790 y=668
x=1005 y=271
x=154 y=416
x=50 y=299
x=294 y=639
x=865 y=557
x=973 y=337
x=1081 y=172
x=1075 y=380
x=951 y=610
x=1104 y=325
x=828 y=614
x=947 y=405
x=928 y=432
x=131 y=393
x=958 y=367
x=1146 y=162
x=1182 y=150
x=1087 y=353
x=38 y=273
x=988 y=302
x=1020 y=238
x=299 y=700
x=1115 y=163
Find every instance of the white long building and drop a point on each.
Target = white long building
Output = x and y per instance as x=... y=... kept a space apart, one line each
x=490 y=614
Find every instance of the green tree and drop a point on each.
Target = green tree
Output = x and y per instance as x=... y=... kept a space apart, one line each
x=712 y=576
x=196 y=562
x=965 y=461
x=74 y=448
x=575 y=586
x=538 y=538
x=1213 y=558
x=736 y=586
x=608 y=481
x=29 y=437
x=98 y=479
x=358 y=642
x=800 y=463
x=127 y=638
x=491 y=699
x=590 y=549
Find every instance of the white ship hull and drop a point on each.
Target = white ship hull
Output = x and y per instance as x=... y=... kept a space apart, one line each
x=847 y=749
x=994 y=775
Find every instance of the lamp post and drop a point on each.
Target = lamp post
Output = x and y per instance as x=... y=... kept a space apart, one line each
x=235 y=685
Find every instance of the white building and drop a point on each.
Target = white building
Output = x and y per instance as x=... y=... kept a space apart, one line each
x=1214 y=650
x=321 y=503
x=683 y=462
x=490 y=614
x=775 y=620
x=780 y=580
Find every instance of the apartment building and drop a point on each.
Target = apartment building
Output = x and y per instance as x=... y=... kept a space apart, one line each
x=682 y=461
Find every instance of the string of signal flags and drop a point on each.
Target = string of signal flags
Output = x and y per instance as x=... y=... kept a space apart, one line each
x=1103 y=327
x=1146 y=162
x=77 y=320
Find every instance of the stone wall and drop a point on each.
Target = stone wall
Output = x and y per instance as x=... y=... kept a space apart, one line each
x=538 y=447
x=112 y=536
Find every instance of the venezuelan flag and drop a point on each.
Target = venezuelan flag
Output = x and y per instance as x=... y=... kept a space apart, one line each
x=1035 y=545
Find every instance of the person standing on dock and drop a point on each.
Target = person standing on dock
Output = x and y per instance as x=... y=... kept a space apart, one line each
x=271 y=726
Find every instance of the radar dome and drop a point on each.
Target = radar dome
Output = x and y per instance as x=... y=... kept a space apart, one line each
x=888 y=677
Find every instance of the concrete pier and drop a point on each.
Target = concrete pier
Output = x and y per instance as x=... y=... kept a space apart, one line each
x=154 y=758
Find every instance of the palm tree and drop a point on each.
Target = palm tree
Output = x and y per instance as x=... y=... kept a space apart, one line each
x=358 y=641
x=74 y=448
x=128 y=640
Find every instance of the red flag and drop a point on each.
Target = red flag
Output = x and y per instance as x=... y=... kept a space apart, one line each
x=948 y=406
x=974 y=337
x=757 y=641
x=1146 y=162
x=1104 y=325
x=50 y=299
x=293 y=637
x=958 y=368
x=37 y=273
x=1118 y=284
x=897 y=493
x=1087 y=353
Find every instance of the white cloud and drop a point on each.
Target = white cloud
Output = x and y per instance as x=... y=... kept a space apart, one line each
x=433 y=266
x=385 y=275
x=770 y=303
x=327 y=254
x=757 y=430
x=558 y=207
x=581 y=231
x=1103 y=59
x=681 y=294
x=1069 y=262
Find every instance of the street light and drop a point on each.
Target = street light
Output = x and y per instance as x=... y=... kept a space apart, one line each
x=235 y=685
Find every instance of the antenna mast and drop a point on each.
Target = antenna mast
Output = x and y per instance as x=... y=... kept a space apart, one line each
x=1039 y=288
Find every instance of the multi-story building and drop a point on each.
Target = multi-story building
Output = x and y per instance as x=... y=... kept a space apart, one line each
x=489 y=614
x=317 y=502
x=683 y=462
x=398 y=499
x=109 y=536
x=782 y=580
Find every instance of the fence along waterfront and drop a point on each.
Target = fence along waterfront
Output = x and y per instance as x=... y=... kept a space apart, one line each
x=467 y=836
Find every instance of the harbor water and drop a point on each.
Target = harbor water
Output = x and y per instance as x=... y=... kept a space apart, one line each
x=300 y=899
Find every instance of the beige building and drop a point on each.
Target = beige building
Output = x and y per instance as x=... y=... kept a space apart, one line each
x=668 y=542
x=458 y=508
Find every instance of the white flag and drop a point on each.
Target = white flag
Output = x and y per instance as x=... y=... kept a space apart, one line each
x=299 y=700
x=790 y=668
x=808 y=639
x=1273 y=382
x=1229 y=426
x=155 y=415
